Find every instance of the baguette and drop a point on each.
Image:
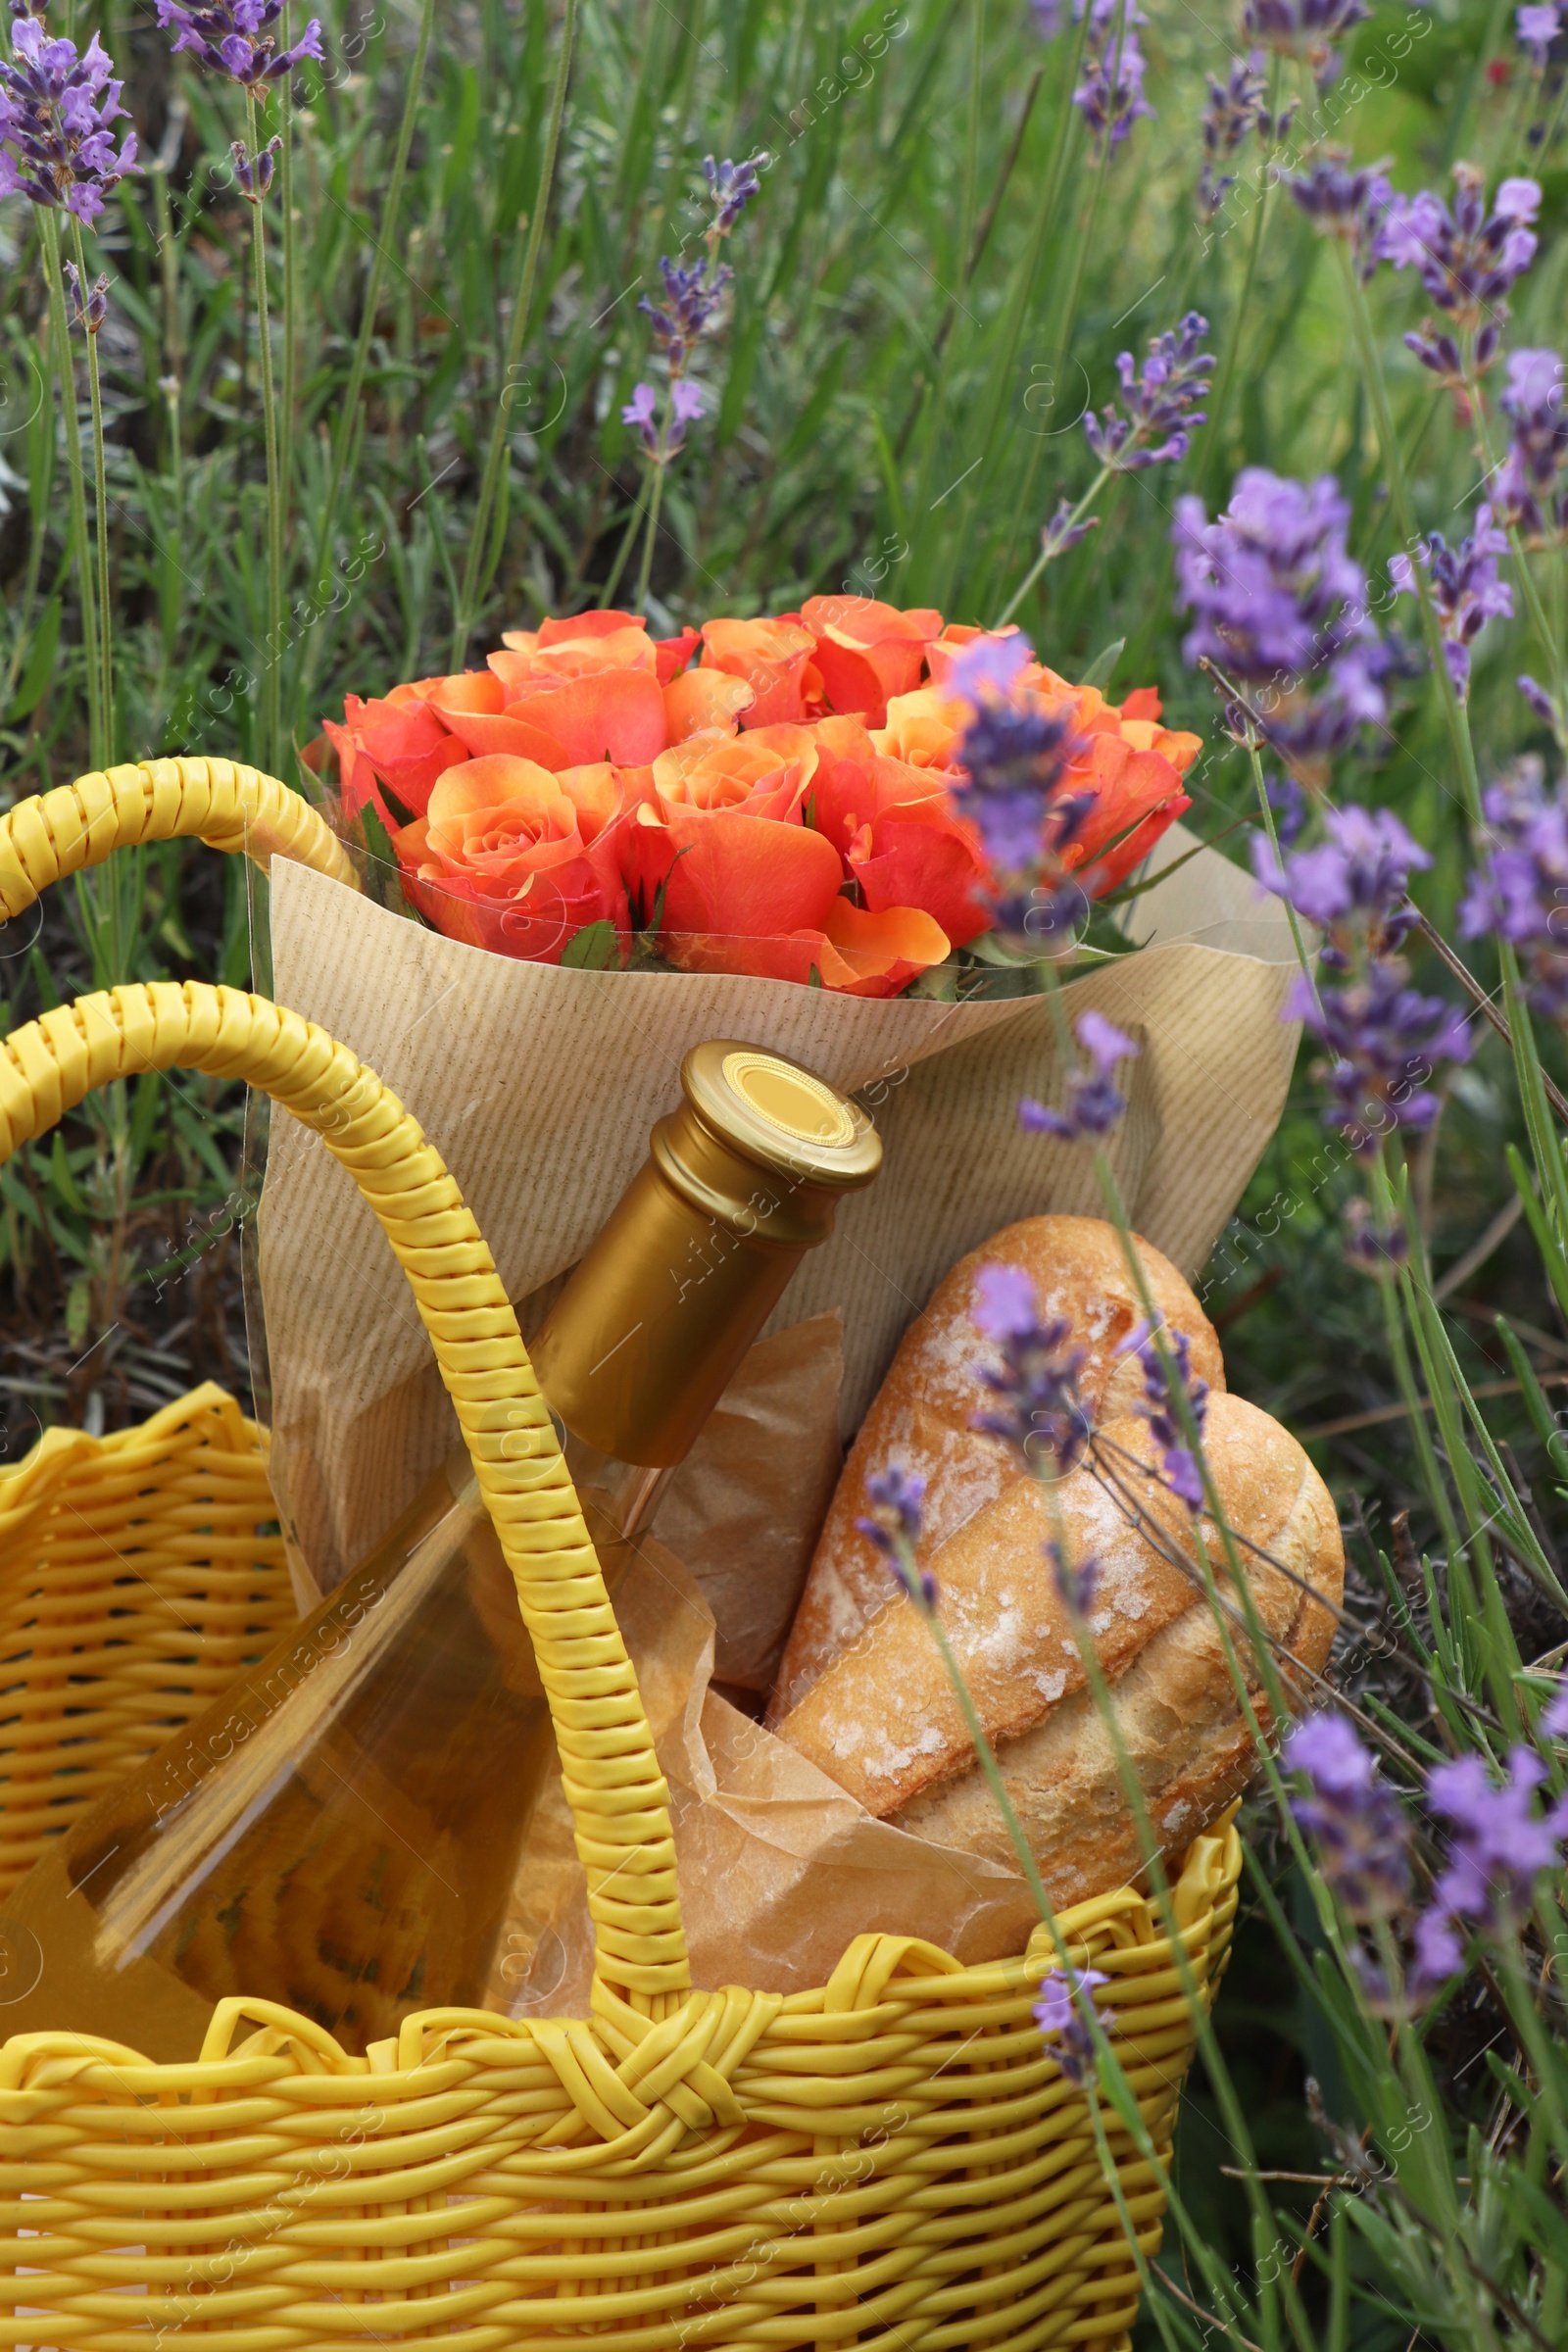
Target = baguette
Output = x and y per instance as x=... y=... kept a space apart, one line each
x=883 y=1721
x=922 y=1415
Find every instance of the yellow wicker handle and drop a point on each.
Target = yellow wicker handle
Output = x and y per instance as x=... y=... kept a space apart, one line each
x=58 y=833
x=618 y=1798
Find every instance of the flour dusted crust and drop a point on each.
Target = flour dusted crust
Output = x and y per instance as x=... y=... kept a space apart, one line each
x=882 y=1720
x=921 y=1416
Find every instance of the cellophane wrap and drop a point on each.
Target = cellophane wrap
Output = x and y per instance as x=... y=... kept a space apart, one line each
x=539 y=1086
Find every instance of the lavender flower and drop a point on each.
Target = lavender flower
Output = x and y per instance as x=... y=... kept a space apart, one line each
x=1465 y=589
x=1037 y=1410
x=1371 y=1248
x=1519 y=889
x=90 y=308
x=1159 y=1407
x=1278 y=601
x=1110 y=95
x=1543 y=705
x=639 y=411
x=688 y=402
x=691 y=297
x=1075 y=1583
x=1502 y=1844
x=1101 y=16
x=1059 y=2011
x=1306 y=29
x=1345 y=203
x=1094 y=1102
x=1289 y=805
x=1014 y=759
x=1358 y=1821
x=1383 y=1038
x=1065 y=529
x=1530 y=489
x=1354 y=885
x=732 y=187
x=56 y=107
x=1467 y=258
x=254 y=173
x=990 y=663
x=894 y=1527
x=1537 y=29
x=1554 y=1716
x=1235 y=106
x=236 y=37
x=1159 y=400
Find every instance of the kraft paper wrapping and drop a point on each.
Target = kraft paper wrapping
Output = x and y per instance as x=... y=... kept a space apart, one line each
x=539 y=1088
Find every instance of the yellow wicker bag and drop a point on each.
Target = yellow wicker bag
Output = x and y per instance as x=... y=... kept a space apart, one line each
x=895 y=2159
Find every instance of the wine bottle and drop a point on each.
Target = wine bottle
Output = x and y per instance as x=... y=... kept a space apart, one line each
x=341 y=1831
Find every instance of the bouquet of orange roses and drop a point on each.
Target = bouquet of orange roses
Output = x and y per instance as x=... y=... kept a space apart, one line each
x=786 y=798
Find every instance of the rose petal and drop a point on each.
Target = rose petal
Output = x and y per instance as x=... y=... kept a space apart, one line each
x=920 y=856
x=470 y=690
x=605 y=620
x=483 y=734
x=774 y=657
x=619 y=714
x=498 y=781
x=400 y=744
x=704 y=698
x=885 y=948
x=597 y=794
x=731 y=875
x=674 y=654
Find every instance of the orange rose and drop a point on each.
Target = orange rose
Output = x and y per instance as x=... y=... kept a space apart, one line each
x=1128 y=762
x=739 y=884
x=899 y=830
x=398 y=742
x=1138 y=794
x=1134 y=766
x=570 y=643
x=762 y=772
x=511 y=858
x=591 y=688
x=774 y=657
x=923 y=728
x=866 y=651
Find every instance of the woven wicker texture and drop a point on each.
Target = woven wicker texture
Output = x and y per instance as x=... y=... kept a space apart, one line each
x=138 y=1574
x=895 y=2160
x=80 y=824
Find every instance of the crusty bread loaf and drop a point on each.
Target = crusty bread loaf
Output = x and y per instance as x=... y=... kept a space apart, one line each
x=922 y=1414
x=883 y=1721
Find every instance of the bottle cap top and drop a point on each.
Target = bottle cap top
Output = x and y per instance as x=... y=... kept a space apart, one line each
x=781 y=1115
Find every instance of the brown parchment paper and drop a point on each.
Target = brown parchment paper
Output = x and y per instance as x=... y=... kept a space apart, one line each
x=779 y=1868
x=743 y=1510
x=539 y=1088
